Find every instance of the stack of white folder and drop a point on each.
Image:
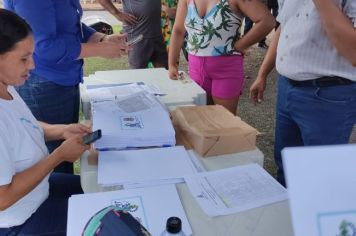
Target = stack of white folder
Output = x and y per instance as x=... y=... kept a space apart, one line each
x=144 y=167
x=136 y=120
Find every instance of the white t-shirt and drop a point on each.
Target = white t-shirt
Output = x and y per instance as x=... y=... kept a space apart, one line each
x=21 y=146
x=304 y=51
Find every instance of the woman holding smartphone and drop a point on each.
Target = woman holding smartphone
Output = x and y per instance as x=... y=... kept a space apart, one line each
x=61 y=43
x=33 y=201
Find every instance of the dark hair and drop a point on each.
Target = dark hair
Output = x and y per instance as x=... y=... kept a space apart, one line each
x=12 y=30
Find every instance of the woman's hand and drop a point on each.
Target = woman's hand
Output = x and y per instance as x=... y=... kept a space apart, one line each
x=72 y=130
x=173 y=72
x=71 y=149
x=116 y=38
x=114 y=46
x=126 y=18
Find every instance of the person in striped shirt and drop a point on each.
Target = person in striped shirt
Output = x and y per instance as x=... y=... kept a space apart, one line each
x=314 y=52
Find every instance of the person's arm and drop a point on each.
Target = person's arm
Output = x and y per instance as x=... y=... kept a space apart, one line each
x=106 y=46
x=259 y=14
x=177 y=39
x=338 y=27
x=25 y=181
x=120 y=15
x=59 y=131
x=259 y=85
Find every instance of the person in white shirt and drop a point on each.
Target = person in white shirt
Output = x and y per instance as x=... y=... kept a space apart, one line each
x=33 y=201
x=314 y=51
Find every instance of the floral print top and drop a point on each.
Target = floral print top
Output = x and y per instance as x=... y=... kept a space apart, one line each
x=216 y=33
x=166 y=22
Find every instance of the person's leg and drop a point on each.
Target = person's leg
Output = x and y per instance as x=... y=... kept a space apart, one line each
x=325 y=115
x=197 y=72
x=140 y=54
x=53 y=104
x=51 y=217
x=160 y=56
x=322 y=116
x=227 y=76
x=287 y=132
x=63 y=185
x=229 y=104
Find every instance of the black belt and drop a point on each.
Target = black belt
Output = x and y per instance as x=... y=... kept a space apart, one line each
x=326 y=81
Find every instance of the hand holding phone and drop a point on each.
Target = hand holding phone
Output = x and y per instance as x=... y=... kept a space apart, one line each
x=134 y=40
x=92 y=137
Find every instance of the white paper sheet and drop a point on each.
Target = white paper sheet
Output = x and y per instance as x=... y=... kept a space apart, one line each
x=153 y=206
x=235 y=189
x=112 y=92
x=322 y=189
x=146 y=166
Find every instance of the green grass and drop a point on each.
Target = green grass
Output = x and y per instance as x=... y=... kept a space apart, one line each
x=100 y=64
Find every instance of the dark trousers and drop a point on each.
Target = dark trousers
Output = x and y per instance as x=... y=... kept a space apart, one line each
x=312 y=115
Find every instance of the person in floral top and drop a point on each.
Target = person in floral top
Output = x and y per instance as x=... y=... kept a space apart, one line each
x=214 y=44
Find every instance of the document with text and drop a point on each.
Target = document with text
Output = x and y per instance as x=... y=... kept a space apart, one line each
x=235 y=189
x=321 y=186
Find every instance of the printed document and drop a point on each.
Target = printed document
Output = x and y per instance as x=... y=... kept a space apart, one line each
x=144 y=166
x=151 y=206
x=321 y=184
x=235 y=189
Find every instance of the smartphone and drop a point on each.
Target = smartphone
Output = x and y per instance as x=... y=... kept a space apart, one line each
x=92 y=137
x=135 y=40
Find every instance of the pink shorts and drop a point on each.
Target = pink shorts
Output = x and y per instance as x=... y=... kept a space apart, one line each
x=219 y=76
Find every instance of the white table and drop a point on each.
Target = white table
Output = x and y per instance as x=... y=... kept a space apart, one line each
x=270 y=220
x=178 y=92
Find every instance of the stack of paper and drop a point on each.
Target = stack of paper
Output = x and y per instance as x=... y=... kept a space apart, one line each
x=137 y=120
x=114 y=91
x=151 y=206
x=235 y=189
x=137 y=168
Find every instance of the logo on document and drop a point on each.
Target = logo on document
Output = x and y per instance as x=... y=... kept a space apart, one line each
x=338 y=223
x=131 y=122
x=125 y=205
x=133 y=205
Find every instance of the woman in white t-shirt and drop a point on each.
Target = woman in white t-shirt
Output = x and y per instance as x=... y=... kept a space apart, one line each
x=33 y=201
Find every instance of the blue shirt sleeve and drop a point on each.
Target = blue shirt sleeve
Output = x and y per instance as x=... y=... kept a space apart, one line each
x=50 y=45
x=87 y=32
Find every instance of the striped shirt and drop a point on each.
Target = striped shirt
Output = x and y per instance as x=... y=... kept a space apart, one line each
x=304 y=52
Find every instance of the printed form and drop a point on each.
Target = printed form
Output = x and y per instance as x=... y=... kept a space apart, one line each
x=235 y=189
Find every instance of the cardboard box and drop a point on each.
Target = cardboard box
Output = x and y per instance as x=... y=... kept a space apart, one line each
x=213 y=130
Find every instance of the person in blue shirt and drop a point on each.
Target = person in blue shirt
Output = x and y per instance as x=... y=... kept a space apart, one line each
x=61 y=43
